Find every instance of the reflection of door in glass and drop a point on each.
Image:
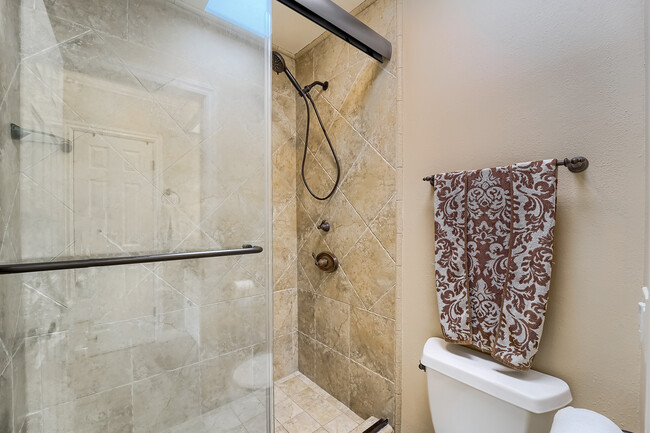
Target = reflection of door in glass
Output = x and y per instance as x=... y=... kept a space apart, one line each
x=114 y=214
x=113 y=193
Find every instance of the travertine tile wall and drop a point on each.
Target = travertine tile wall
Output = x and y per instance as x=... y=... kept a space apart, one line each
x=133 y=348
x=346 y=320
x=285 y=265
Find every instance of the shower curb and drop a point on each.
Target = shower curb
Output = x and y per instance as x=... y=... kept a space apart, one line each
x=367 y=427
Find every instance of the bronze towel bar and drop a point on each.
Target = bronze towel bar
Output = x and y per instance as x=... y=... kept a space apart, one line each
x=575 y=165
x=21 y=268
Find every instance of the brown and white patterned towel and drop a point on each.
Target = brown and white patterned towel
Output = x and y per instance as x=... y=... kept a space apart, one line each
x=451 y=256
x=494 y=245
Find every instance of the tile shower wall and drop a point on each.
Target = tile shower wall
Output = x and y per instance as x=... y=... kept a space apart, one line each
x=131 y=348
x=12 y=360
x=346 y=320
x=285 y=264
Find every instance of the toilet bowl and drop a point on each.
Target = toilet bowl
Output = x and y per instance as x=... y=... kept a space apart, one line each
x=253 y=374
x=469 y=392
x=572 y=420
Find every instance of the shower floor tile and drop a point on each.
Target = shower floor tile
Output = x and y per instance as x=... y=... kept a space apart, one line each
x=301 y=406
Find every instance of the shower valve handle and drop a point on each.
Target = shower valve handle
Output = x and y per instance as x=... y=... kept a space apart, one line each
x=326 y=261
x=322 y=262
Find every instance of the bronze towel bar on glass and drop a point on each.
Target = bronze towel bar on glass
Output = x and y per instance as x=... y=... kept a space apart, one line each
x=575 y=165
x=21 y=268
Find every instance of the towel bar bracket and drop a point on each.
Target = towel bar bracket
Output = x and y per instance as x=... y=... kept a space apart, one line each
x=575 y=165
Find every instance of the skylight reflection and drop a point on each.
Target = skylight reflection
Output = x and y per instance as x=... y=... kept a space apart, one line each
x=250 y=15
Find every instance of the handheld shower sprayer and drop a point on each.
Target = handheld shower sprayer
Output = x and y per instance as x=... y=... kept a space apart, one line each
x=279 y=66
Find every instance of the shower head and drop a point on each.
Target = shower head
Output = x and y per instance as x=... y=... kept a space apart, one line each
x=279 y=65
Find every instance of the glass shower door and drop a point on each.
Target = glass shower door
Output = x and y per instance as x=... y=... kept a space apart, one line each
x=135 y=128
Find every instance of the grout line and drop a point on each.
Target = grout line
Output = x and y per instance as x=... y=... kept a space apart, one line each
x=132 y=387
x=11 y=82
x=311 y=287
x=47 y=297
x=362 y=136
x=280 y=210
x=18 y=316
x=391 y=199
x=6 y=353
x=249 y=348
x=13 y=395
x=378 y=300
x=353 y=288
x=5 y=229
x=284 y=272
x=58 y=44
x=346 y=357
x=11 y=357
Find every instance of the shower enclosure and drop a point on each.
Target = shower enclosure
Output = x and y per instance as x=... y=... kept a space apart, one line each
x=135 y=128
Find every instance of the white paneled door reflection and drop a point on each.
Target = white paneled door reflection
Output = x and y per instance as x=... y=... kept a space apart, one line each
x=114 y=206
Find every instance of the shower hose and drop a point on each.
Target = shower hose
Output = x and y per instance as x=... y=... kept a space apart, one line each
x=308 y=99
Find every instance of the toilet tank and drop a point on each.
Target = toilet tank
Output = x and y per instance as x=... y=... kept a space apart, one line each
x=471 y=393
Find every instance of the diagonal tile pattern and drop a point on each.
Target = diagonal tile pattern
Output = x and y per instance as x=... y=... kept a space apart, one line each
x=285 y=226
x=346 y=320
x=370 y=269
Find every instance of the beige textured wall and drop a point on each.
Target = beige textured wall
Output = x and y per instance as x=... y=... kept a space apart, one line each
x=491 y=83
x=346 y=320
x=285 y=232
x=645 y=375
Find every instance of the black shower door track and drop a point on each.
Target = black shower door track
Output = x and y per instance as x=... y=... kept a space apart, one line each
x=22 y=268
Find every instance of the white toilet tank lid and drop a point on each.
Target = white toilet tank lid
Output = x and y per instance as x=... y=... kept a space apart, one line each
x=531 y=390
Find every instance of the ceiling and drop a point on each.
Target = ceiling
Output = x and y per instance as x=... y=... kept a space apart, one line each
x=292 y=32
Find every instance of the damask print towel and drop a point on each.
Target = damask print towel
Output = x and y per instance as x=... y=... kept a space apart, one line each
x=451 y=257
x=494 y=245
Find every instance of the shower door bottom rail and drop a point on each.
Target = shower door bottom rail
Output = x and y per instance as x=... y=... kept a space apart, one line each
x=22 y=268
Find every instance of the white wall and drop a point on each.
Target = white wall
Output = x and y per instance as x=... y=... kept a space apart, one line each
x=501 y=81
